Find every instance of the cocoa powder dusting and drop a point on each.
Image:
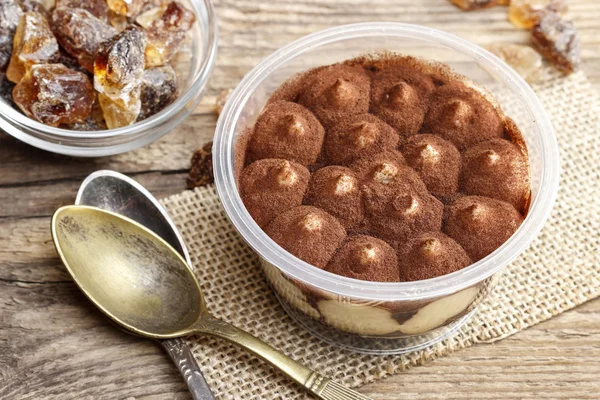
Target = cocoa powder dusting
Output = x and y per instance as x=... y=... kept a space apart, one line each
x=309 y=233
x=429 y=255
x=343 y=167
x=436 y=160
x=286 y=130
x=480 y=224
x=366 y=258
x=462 y=115
x=269 y=187
x=337 y=190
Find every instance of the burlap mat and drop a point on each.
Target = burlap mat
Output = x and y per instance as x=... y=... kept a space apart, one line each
x=560 y=271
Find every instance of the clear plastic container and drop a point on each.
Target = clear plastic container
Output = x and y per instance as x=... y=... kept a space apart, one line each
x=193 y=65
x=372 y=317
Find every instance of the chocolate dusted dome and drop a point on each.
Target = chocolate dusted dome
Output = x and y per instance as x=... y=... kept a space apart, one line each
x=337 y=190
x=429 y=255
x=480 y=224
x=269 y=187
x=400 y=97
x=462 y=115
x=359 y=136
x=365 y=258
x=309 y=233
x=336 y=92
x=286 y=130
x=436 y=160
x=379 y=165
x=397 y=203
x=498 y=169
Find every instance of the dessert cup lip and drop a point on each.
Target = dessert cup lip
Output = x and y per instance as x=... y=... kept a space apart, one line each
x=292 y=266
x=200 y=80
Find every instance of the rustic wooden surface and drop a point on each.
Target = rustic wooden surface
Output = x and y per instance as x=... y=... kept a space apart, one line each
x=53 y=344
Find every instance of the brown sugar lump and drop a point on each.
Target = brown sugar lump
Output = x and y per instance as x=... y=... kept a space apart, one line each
x=269 y=187
x=436 y=160
x=309 y=233
x=557 y=40
x=337 y=190
x=523 y=59
x=359 y=136
x=399 y=96
x=398 y=204
x=365 y=258
x=462 y=115
x=337 y=92
x=286 y=130
x=54 y=94
x=33 y=43
x=98 y=8
x=80 y=33
x=480 y=224
x=430 y=255
x=526 y=13
x=498 y=169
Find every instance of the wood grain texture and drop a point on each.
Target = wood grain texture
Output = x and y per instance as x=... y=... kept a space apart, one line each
x=54 y=345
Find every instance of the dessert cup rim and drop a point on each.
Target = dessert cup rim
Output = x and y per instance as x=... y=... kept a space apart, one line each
x=199 y=82
x=223 y=159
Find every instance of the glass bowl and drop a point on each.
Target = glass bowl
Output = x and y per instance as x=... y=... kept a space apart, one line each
x=373 y=317
x=193 y=65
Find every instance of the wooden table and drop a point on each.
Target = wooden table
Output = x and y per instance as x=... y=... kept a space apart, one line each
x=53 y=344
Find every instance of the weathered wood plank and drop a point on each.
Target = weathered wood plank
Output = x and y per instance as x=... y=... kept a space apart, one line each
x=43 y=198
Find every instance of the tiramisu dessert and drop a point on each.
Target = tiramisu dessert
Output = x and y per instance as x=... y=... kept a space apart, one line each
x=385 y=169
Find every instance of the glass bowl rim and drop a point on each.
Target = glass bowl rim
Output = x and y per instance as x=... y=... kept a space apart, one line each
x=382 y=291
x=198 y=84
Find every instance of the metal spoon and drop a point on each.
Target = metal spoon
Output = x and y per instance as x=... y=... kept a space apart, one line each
x=118 y=193
x=142 y=283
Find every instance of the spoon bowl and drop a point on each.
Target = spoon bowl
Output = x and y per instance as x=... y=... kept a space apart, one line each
x=139 y=281
x=125 y=271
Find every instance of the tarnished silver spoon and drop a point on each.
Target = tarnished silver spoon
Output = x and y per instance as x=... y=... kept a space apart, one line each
x=118 y=193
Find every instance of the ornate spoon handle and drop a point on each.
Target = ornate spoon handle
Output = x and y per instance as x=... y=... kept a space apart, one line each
x=324 y=388
x=182 y=356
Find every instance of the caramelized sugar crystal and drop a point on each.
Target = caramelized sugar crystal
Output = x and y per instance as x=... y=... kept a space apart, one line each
x=93 y=122
x=128 y=8
x=172 y=17
x=34 y=43
x=523 y=59
x=119 y=64
x=98 y=8
x=10 y=14
x=39 y=6
x=80 y=33
x=159 y=89
x=526 y=13
x=118 y=71
x=166 y=27
x=558 y=40
x=117 y=21
x=53 y=94
x=121 y=111
x=162 y=47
